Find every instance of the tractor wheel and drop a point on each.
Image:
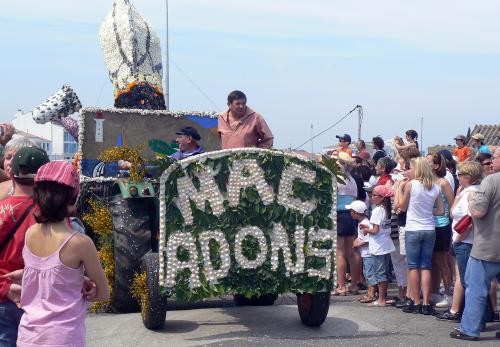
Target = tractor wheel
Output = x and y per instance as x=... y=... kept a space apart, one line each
x=154 y=310
x=313 y=308
x=132 y=240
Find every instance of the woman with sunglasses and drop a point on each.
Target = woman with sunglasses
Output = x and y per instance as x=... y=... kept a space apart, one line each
x=486 y=161
x=469 y=177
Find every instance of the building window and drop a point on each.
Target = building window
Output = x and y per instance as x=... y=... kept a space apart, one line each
x=70 y=145
x=46 y=147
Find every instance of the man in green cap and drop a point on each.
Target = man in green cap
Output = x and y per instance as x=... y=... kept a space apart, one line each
x=16 y=216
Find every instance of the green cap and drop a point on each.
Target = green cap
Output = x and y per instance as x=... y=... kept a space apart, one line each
x=29 y=158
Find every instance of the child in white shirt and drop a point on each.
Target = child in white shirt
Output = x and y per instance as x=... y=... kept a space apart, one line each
x=380 y=242
x=358 y=212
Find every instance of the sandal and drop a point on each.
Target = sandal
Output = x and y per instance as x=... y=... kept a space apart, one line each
x=338 y=292
x=367 y=299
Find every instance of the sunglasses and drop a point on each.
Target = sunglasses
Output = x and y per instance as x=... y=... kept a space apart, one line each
x=377 y=195
x=487 y=163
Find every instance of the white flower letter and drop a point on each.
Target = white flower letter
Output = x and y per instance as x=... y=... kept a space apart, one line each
x=285 y=195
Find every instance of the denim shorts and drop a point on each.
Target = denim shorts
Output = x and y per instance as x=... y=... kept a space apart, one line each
x=419 y=248
x=381 y=267
x=462 y=252
x=10 y=316
x=368 y=270
x=346 y=225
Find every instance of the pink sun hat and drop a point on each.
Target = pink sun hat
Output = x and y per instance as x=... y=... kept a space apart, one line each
x=61 y=172
x=383 y=191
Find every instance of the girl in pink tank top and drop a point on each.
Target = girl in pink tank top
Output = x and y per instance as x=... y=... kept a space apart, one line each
x=55 y=259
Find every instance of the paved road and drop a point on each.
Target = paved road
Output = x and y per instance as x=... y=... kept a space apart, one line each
x=217 y=323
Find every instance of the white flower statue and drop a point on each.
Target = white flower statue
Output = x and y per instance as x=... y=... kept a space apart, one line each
x=133 y=57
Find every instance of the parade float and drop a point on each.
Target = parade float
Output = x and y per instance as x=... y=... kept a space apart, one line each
x=246 y=222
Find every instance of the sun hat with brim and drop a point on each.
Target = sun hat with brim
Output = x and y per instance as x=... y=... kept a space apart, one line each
x=28 y=160
x=60 y=172
x=478 y=136
x=383 y=191
x=357 y=206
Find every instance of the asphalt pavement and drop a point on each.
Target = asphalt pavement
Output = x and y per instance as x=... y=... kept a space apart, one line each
x=218 y=323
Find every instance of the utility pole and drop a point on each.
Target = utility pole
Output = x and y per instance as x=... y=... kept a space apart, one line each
x=312 y=142
x=360 y=120
x=167 y=72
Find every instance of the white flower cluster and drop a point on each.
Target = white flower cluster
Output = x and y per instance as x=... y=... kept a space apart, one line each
x=285 y=195
x=247 y=173
x=174 y=265
x=243 y=261
x=211 y=274
x=321 y=235
x=131 y=48
x=145 y=113
x=208 y=192
x=279 y=240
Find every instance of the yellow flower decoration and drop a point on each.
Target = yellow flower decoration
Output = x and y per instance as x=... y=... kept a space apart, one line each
x=133 y=155
x=139 y=290
x=101 y=222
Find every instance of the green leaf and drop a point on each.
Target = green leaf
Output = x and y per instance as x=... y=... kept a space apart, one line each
x=162 y=147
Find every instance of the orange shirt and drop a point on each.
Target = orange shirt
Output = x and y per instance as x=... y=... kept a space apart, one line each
x=345 y=150
x=462 y=153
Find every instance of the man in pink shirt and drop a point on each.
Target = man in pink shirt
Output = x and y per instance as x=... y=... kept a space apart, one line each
x=240 y=126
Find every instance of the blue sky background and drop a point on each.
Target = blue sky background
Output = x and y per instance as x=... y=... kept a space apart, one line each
x=299 y=62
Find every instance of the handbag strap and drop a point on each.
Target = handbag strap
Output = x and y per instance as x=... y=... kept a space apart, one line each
x=7 y=239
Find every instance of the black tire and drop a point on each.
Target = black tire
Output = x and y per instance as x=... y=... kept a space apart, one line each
x=154 y=311
x=263 y=300
x=132 y=240
x=313 y=308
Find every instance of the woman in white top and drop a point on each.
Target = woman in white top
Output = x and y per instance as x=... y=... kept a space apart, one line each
x=418 y=197
x=469 y=177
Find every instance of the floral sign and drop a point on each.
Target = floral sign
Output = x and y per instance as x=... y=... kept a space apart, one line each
x=246 y=221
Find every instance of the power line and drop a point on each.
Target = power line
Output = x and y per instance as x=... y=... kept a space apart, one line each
x=100 y=92
x=217 y=108
x=330 y=127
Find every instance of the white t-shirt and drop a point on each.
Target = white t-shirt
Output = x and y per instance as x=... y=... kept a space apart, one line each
x=419 y=213
x=380 y=243
x=461 y=209
x=365 y=252
x=449 y=178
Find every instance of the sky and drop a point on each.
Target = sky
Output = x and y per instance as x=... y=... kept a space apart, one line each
x=302 y=64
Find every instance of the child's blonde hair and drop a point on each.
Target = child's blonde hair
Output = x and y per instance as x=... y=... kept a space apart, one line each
x=423 y=172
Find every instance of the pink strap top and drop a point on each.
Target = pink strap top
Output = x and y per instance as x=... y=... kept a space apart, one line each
x=52 y=300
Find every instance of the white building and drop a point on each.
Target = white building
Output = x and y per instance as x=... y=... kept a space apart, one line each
x=56 y=141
